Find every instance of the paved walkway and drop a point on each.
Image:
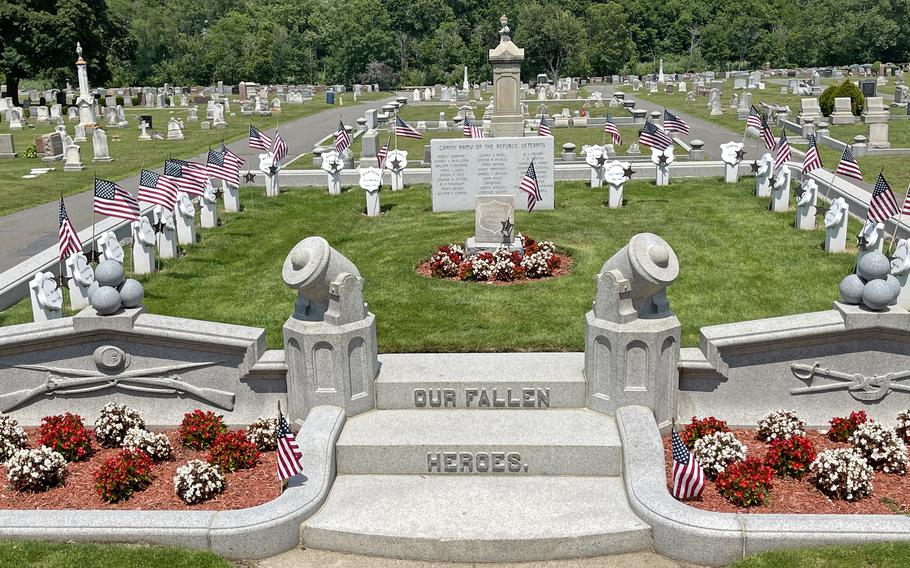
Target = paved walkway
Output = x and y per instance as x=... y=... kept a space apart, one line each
x=28 y=232
x=300 y=558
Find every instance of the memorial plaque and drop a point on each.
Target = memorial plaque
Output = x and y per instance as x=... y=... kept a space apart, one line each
x=465 y=168
x=491 y=212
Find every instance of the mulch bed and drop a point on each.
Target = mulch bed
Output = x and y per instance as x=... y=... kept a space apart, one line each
x=890 y=493
x=565 y=268
x=243 y=488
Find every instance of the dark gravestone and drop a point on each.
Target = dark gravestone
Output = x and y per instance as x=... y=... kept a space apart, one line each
x=146 y=118
x=61 y=97
x=868 y=87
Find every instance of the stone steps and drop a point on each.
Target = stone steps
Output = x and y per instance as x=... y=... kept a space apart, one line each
x=477 y=518
x=555 y=442
x=481 y=381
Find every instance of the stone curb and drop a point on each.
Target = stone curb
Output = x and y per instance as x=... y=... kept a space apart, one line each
x=255 y=532
x=708 y=538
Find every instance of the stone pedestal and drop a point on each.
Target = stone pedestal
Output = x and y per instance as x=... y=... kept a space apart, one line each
x=836 y=226
x=374 y=207
x=272 y=188
x=731 y=173
x=506 y=61
x=780 y=191
x=662 y=175
x=597 y=177
x=208 y=214
x=46 y=298
x=167 y=243
x=333 y=181
x=397 y=179
x=186 y=226
x=81 y=276
x=231 y=197
x=614 y=201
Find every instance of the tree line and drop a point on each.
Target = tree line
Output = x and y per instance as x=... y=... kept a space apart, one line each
x=417 y=42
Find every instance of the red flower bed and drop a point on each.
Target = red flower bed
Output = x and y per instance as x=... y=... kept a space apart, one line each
x=842 y=428
x=791 y=458
x=66 y=434
x=746 y=483
x=199 y=429
x=701 y=427
x=121 y=475
x=232 y=451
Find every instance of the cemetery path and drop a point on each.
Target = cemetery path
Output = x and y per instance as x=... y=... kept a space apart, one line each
x=26 y=233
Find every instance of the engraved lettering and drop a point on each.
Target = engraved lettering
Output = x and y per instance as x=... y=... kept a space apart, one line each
x=448 y=398
x=498 y=402
x=527 y=398
x=514 y=459
x=484 y=399
x=469 y=396
x=482 y=462
x=432 y=462
x=513 y=402
x=499 y=465
x=451 y=462
x=467 y=463
x=420 y=398
x=543 y=398
x=435 y=401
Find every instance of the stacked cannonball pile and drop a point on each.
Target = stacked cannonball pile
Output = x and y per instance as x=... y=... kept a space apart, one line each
x=111 y=290
x=873 y=285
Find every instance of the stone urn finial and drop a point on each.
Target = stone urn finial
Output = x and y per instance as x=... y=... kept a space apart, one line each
x=504 y=33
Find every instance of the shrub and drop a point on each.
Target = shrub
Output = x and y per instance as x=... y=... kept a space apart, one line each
x=444 y=262
x=842 y=428
x=701 y=427
x=155 y=446
x=791 y=457
x=12 y=437
x=232 y=451
x=198 y=481
x=746 y=483
x=842 y=474
x=263 y=433
x=36 y=469
x=30 y=152
x=66 y=434
x=718 y=450
x=122 y=475
x=903 y=425
x=114 y=422
x=780 y=424
x=199 y=429
x=881 y=446
x=846 y=89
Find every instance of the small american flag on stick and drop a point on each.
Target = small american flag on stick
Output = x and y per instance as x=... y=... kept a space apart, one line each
x=342 y=138
x=783 y=154
x=654 y=137
x=157 y=189
x=259 y=140
x=530 y=186
x=289 y=453
x=688 y=476
x=383 y=152
x=544 y=128
x=190 y=177
x=883 y=204
x=673 y=123
x=402 y=128
x=848 y=166
x=471 y=130
x=69 y=239
x=281 y=147
x=611 y=129
x=114 y=201
x=811 y=161
x=220 y=167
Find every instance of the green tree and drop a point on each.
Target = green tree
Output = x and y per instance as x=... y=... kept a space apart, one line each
x=552 y=38
x=609 y=47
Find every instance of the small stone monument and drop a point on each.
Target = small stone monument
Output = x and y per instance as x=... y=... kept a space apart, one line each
x=805 y=205
x=73 y=159
x=185 y=221
x=900 y=269
x=780 y=191
x=332 y=165
x=662 y=159
x=193 y=114
x=174 y=129
x=208 y=211
x=506 y=59
x=7 y=145
x=270 y=167
x=218 y=119
x=143 y=246
x=81 y=278
x=231 y=196
x=731 y=154
x=871 y=238
x=396 y=161
x=615 y=174
x=494 y=224
x=873 y=286
x=109 y=247
x=99 y=146
x=80 y=133
x=46 y=297
x=596 y=157
x=763 y=175
x=14 y=116
x=371 y=184
x=144 y=131
x=836 y=226
x=166 y=226
x=714 y=103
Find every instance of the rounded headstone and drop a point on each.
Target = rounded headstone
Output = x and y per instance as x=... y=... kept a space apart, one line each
x=851 y=289
x=109 y=273
x=877 y=294
x=105 y=300
x=131 y=293
x=873 y=266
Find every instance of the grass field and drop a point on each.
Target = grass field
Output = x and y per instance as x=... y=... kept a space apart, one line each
x=884 y=555
x=737 y=263
x=28 y=554
x=129 y=153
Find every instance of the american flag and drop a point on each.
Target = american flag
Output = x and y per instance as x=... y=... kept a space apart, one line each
x=402 y=128
x=906 y=209
x=673 y=123
x=544 y=128
x=529 y=185
x=811 y=161
x=754 y=120
x=758 y=122
x=783 y=150
x=471 y=130
x=766 y=134
x=289 y=453
x=654 y=137
x=221 y=167
x=610 y=128
x=342 y=139
x=883 y=204
x=190 y=177
x=688 y=477
x=848 y=165
x=69 y=240
x=113 y=200
x=259 y=140
x=383 y=152
x=233 y=159
x=281 y=147
x=158 y=189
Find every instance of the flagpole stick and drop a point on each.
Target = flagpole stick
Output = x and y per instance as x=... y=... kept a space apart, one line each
x=94 y=251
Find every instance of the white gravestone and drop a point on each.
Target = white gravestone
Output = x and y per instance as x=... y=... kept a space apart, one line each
x=836 y=226
x=494 y=224
x=731 y=155
x=874 y=239
x=805 y=205
x=332 y=165
x=464 y=168
x=270 y=168
x=208 y=211
x=144 y=131
x=714 y=103
x=900 y=269
x=371 y=184
x=596 y=157
x=218 y=118
x=81 y=277
x=396 y=161
x=109 y=247
x=662 y=159
x=185 y=220
x=174 y=129
x=231 y=196
x=615 y=176
x=73 y=159
x=99 y=146
x=80 y=133
x=780 y=191
x=143 y=246
x=763 y=175
x=14 y=116
x=167 y=237
x=47 y=299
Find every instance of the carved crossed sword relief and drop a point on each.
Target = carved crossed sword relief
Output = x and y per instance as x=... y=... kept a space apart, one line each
x=860 y=387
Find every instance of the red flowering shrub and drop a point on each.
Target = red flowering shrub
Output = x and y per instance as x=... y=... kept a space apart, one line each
x=66 y=434
x=446 y=260
x=123 y=474
x=792 y=457
x=701 y=427
x=746 y=483
x=199 y=429
x=233 y=451
x=842 y=428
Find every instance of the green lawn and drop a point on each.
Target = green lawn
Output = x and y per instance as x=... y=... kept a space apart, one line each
x=885 y=555
x=737 y=264
x=29 y=554
x=129 y=153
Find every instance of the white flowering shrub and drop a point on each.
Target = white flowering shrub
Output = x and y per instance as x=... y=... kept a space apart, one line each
x=783 y=424
x=881 y=446
x=903 y=425
x=842 y=474
x=718 y=450
x=197 y=481
x=12 y=437
x=263 y=432
x=156 y=446
x=36 y=469
x=115 y=421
